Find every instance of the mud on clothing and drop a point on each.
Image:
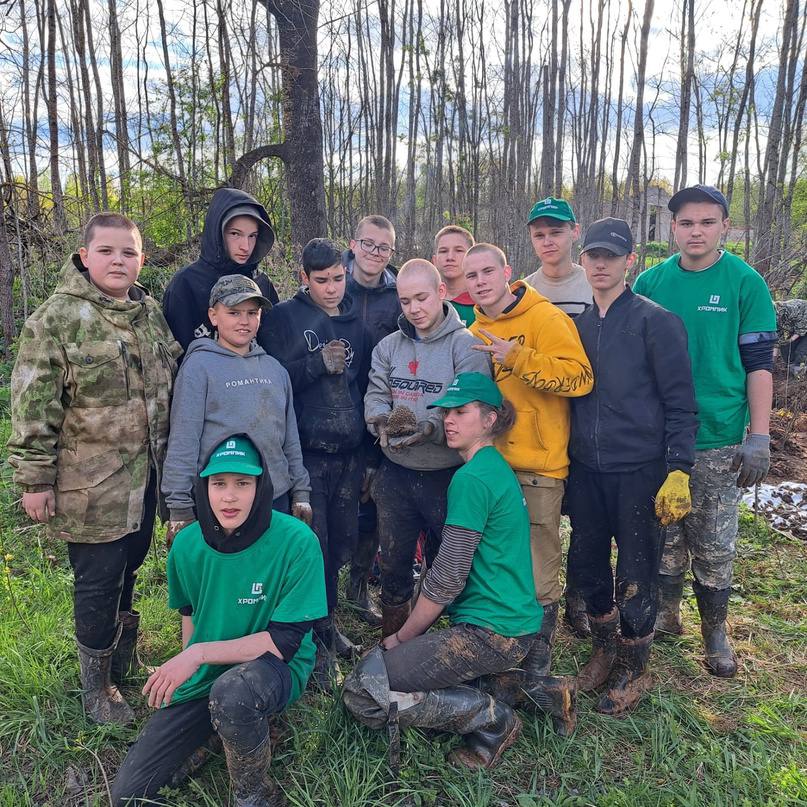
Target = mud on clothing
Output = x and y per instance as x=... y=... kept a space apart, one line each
x=571 y=294
x=278 y=578
x=329 y=407
x=718 y=306
x=185 y=301
x=219 y=392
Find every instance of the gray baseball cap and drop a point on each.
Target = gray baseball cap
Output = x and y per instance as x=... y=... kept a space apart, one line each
x=234 y=289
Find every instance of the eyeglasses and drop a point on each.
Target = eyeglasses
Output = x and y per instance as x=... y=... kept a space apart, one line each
x=370 y=247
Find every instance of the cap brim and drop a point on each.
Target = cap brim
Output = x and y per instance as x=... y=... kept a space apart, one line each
x=451 y=401
x=241 y=297
x=550 y=215
x=677 y=200
x=607 y=245
x=235 y=467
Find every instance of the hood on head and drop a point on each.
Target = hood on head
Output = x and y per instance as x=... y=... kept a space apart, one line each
x=224 y=202
x=258 y=520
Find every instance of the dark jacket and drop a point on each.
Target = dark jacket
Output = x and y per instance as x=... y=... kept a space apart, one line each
x=186 y=299
x=643 y=405
x=378 y=307
x=329 y=408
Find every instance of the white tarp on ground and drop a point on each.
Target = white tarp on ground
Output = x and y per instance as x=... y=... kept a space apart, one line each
x=783 y=505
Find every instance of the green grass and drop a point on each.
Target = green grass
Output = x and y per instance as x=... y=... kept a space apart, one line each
x=694 y=740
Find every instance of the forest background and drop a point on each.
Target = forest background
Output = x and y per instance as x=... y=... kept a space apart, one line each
x=428 y=111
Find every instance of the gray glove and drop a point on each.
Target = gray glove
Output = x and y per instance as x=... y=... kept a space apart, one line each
x=333 y=357
x=752 y=460
x=424 y=434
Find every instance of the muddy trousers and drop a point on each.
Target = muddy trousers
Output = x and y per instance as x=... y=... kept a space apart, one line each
x=621 y=506
x=238 y=708
x=104 y=577
x=408 y=501
x=335 y=486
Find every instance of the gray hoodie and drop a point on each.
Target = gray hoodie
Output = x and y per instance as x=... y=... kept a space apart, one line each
x=218 y=393
x=409 y=371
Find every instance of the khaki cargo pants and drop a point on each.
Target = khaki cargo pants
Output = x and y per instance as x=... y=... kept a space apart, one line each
x=544 y=496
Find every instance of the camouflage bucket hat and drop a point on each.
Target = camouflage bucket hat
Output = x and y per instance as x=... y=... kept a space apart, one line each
x=231 y=290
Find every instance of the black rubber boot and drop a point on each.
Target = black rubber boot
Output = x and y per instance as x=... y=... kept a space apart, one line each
x=668 y=615
x=393 y=617
x=629 y=677
x=126 y=663
x=489 y=726
x=357 y=594
x=575 y=615
x=555 y=695
x=101 y=699
x=539 y=658
x=249 y=775
x=713 y=605
x=604 y=638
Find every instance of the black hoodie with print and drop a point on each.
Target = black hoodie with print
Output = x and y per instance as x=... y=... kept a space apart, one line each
x=329 y=408
x=185 y=302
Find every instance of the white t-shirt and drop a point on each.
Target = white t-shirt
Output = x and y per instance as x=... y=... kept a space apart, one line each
x=571 y=294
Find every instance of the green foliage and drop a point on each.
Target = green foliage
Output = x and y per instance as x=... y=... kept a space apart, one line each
x=657 y=249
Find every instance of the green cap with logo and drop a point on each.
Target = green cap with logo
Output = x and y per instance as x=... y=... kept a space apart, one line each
x=552 y=208
x=467 y=387
x=236 y=455
x=231 y=290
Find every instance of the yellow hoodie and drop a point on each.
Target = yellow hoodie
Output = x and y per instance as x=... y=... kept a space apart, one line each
x=546 y=366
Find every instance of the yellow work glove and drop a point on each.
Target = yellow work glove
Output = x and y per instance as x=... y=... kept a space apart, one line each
x=673 y=501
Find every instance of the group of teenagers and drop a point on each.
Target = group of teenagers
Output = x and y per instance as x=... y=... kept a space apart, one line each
x=442 y=411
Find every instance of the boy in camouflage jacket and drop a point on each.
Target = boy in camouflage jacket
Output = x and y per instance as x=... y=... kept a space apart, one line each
x=90 y=403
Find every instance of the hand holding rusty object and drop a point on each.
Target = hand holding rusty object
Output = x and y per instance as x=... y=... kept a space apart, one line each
x=334 y=356
x=673 y=500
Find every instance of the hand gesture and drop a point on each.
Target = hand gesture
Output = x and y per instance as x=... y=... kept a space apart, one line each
x=498 y=348
x=333 y=356
x=40 y=507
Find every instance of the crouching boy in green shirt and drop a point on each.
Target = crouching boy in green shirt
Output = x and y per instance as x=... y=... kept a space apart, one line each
x=249 y=582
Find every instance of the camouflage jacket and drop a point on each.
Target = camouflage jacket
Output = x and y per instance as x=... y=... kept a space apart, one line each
x=90 y=394
x=791 y=318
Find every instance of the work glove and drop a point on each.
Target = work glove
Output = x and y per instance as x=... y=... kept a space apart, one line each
x=425 y=430
x=673 y=501
x=752 y=459
x=173 y=528
x=303 y=511
x=333 y=356
x=378 y=426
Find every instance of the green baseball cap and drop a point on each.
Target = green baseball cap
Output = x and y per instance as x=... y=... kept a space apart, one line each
x=552 y=208
x=237 y=455
x=467 y=387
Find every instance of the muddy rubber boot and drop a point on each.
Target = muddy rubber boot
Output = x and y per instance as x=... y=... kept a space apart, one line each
x=575 y=615
x=668 y=615
x=604 y=638
x=629 y=678
x=713 y=605
x=393 y=617
x=126 y=663
x=324 y=672
x=539 y=659
x=101 y=699
x=249 y=775
x=342 y=646
x=357 y=594
x=555 y=695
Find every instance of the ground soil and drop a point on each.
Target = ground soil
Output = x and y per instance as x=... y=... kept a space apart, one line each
x=788 y=428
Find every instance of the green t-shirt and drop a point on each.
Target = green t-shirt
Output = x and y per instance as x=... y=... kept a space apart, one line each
x=464 y=306
x=279 y=578
x=499 y=594
x=717 y=305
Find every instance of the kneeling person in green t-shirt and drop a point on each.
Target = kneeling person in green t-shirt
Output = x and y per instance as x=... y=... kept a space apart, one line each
x=249 y=582
x=482 y=579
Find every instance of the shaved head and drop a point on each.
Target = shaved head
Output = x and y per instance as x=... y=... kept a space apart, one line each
x=420 y=269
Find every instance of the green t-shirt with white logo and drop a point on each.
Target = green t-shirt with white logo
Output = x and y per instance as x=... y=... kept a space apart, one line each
x=279 y=578
x=499 y=594
x=717 y=305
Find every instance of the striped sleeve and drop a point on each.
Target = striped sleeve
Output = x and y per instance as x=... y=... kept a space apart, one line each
x=446 y=578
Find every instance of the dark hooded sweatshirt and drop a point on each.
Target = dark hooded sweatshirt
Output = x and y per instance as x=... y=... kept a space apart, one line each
x=329 y=408
x=377 y=306
x=185 y=302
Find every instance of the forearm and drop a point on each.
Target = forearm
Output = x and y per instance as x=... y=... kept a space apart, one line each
x=237 y=651
x=759 y=389
x=423 y=616
x=568 y=377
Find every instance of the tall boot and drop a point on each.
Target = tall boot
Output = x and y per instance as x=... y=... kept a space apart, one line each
x=575 y=615
x=393 y=617
x=556 y=695
x=489 y=726
x=101 y=699
x=324 y=671
x=126 y=663
x=540 y=654
x=604 y=637
x=249 y=775
x=629 y=677
x=357 y=594
x=668 y=615
x=713 y=605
